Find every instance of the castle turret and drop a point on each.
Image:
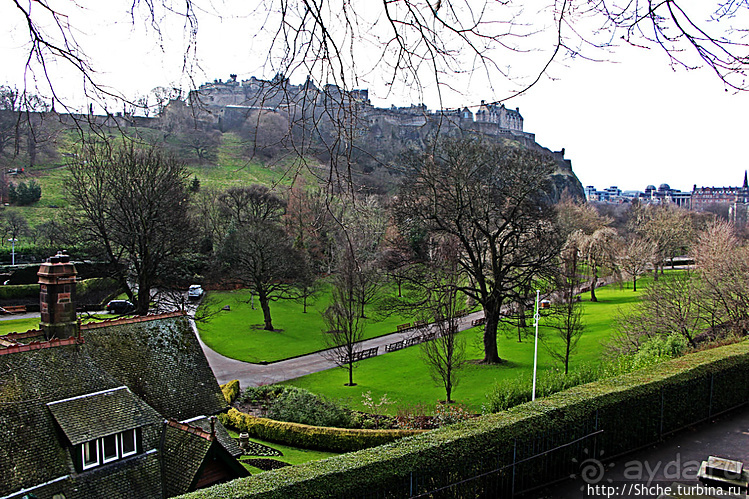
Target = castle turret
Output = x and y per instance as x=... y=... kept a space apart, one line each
x=57 y=278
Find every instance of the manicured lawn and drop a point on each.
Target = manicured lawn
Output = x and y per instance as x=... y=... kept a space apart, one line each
x=291 y=455
x=404 y=377
x=18 y=325
x=239 y=333
x=23 y=325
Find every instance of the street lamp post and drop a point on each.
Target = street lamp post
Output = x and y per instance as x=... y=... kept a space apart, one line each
x=13 y=250
x=535 y=349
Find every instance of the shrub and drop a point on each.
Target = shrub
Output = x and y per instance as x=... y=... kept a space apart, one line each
x=626 y=412
x=230 y=391
x=519 y=390
x=297 y=405
x=309 y=437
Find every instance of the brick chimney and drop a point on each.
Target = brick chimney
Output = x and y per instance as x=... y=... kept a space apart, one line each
x=57 y=297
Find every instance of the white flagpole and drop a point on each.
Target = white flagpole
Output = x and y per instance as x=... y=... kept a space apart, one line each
x=535 y=351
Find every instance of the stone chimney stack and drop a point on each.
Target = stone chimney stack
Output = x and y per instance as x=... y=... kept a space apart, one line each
x=57 y=297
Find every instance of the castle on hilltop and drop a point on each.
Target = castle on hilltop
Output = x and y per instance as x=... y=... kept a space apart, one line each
x=230 y=102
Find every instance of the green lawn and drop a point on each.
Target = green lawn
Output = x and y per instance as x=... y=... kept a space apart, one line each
x=238 y=333
x=404 y=377
x=291 y=455
x=23 y=325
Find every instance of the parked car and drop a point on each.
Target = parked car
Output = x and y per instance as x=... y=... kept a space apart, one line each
x=194 y=292
x=120 y=307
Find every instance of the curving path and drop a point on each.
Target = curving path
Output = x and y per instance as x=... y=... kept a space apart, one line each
x=226 y=369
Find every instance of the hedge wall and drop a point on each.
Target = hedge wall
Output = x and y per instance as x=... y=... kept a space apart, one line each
x=622 y=413
x=230 y=391
x=311 y=437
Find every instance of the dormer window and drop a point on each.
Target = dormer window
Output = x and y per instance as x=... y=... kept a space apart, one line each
x=109 y=448
x=103 y=427
x=127 y=443
x=90 y=451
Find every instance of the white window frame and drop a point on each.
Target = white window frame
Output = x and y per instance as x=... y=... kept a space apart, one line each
x=92 y=444
x=116 y=456
x=122 y=442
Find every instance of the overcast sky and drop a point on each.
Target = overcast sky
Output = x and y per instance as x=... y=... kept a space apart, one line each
x=628 y=123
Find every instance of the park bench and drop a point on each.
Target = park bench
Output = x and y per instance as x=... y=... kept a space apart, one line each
x=14 y=309
x=392 y=347
x=360 y=355
x=478 y=322
x=403 y=327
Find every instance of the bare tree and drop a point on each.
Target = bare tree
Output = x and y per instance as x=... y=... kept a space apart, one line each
x=133 y=203
x=599 y=250
x=566 y=311
x=439 y=310
x=669 y=229
x=410 y=42
x=491 y=199
x=636 y=258
x=344 y=325
x=723 y=268
x=672 y=305
x=15 y=225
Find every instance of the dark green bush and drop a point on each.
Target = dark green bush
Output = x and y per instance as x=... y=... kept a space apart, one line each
x=297 y=405
x=301 y=406
x=630 y=410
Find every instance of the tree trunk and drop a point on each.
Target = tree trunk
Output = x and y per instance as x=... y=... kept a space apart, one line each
x=144 y=297
x=491 y=352
x=266 y=310
x=350 y=373
x=593 y=281
x=634 y=283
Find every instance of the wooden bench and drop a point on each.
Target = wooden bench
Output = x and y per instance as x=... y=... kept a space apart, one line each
x=403 y=327
x=478 y=322
x=15 y=309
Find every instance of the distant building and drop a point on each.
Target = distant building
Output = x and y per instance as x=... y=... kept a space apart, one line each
x=230 y=102
x=700 y=198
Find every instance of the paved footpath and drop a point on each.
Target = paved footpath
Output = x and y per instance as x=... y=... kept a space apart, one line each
x=248 y=374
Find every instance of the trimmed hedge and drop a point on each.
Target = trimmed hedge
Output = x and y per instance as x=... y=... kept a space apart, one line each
x=630 y=410
x=310 y=437
x=19 y=292
x=230 y=391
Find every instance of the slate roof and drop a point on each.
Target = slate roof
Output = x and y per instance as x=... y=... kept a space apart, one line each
x=122 y=376
x=186 y=453
x=222 y=435
x=162 y=363
x=95 y=415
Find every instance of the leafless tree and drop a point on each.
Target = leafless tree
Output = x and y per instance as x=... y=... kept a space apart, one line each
x=133 y=203
x=439 y=310
x=599 y=250
x=636 y=258
x=491 y=199
x=344 y=324
x=671 y=305
x=15 y=225
x=669 y=229
x=565 y=318
x=723 y=268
